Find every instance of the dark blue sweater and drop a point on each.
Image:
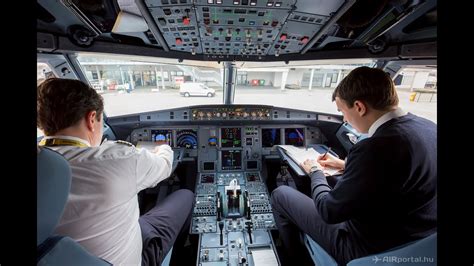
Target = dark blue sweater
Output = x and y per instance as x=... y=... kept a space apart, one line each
x=387 y=194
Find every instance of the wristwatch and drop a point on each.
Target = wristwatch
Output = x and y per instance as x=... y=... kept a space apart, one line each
x=313 y=169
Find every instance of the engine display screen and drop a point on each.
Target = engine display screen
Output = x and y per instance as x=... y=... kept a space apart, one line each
x=231 y=160
x=270 y=137
x=294 y=136
x=231 y=137
x=162 y=135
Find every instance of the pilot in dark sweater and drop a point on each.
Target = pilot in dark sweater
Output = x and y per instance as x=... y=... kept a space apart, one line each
x=386 y=196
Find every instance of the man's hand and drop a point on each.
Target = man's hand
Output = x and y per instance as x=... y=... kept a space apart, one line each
x=156 y=149
x=310 y=166
x=159 y=143
x=330 y=161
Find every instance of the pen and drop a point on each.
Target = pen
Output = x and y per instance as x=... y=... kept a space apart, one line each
x=324 y=155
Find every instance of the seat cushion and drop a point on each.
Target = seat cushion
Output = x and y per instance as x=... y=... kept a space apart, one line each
x=65 y=251
x=423 y=250
x=318 y=254
x=167 y=259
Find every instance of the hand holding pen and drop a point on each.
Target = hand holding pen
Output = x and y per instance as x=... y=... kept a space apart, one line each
x=327 y=160
x=326 y=153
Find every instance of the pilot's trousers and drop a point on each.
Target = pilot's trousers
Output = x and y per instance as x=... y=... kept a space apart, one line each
x=162 y=225
x=295 y=212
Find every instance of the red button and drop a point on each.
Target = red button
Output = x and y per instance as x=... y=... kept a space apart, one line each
x=283 y=37
x=179 y=41
x=304 y=39
x=186 y=21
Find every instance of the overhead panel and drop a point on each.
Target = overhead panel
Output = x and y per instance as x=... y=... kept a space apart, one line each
x=297 y=32
x=178 y=24
x=237 y=30
x=239 y=27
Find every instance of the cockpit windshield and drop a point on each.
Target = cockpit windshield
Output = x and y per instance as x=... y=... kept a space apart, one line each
x=136 y=84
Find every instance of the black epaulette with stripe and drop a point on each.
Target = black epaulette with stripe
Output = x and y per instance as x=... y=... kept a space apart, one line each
x=124 y=142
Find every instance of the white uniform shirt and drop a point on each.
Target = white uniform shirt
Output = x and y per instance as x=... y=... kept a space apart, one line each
x=102 y=211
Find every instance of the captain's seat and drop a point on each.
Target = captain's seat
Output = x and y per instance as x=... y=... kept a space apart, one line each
x=53 y=181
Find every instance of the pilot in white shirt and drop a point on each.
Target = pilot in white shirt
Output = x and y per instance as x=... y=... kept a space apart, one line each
x=111 y=174
x=102 y=212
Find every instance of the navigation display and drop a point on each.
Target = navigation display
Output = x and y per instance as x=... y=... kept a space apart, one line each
x=187 y=138
x=270 y=137
x=231 y=160
x=294 y=136
x=162 y=135
x=231 y=137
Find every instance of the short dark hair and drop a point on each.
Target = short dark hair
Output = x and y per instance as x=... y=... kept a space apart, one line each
x=61 y=103
x=370 y=85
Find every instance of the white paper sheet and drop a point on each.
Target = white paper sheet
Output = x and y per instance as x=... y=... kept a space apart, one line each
x=264 y=257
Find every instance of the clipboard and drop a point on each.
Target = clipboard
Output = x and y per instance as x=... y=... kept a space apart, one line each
x=294 y=165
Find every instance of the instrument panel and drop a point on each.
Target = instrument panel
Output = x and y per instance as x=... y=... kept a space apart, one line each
x=232 y=212
x=231 y=113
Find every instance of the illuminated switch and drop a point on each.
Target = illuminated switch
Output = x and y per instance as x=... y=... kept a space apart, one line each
x=186 y=20
x=283 y=37
x=179 y=41
x=305 y=39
